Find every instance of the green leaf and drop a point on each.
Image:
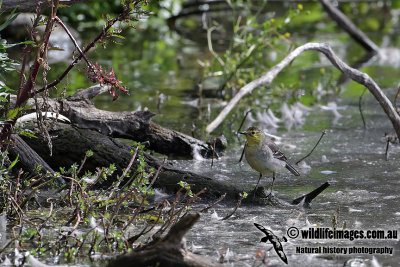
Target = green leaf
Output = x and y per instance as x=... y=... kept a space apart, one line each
x=10 y=19
x=13 y=163
x=12 y=113
x=28 y=134
x=28 y=107
x=119 y=36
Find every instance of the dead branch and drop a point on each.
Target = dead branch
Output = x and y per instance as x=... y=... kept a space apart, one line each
x=349 y=26
x=235 y=209
x=168 y=251
x=306 y=199
x=312 y=150
x=360 y=108
x=135 y=125
x=29 y=158
x=355 y=75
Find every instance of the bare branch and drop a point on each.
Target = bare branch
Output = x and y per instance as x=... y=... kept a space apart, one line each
x=312 y=150
x=349 y=26
x=360 y=108
x=324 y=48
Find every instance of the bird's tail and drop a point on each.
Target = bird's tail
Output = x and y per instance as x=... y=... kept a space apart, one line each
x=292 y=169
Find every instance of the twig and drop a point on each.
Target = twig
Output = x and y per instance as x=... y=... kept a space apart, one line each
x=81 y=167
x=145 y=230
x=213 y=204
x=360 y=108
x=387 y=148
x=59 y=21
x=214 y=153
x=356 y=75
x=155 y=176
x=244 y=119
x=389 y=139
x=173 y=214
x=190 y=200
x=124 y=173
x=312 y=150
x=396 y=98
x=210 y=48
x=110 y=23
x=25 y=91
x=135 y=214
x=234 y=210
x=241 y=156
x=17 y=185
x=78 y=219
x=29 y=85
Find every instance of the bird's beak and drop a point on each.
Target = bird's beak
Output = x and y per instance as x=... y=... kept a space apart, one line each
x=245 y=133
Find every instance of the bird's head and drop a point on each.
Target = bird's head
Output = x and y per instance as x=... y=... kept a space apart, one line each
x=253 y=135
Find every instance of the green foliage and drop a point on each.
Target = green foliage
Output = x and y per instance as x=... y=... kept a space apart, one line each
x=254 y=38
x=103 y=217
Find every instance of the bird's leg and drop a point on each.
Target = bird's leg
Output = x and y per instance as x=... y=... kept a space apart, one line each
x=259 y=178
x=272 y=185
x=253 y=192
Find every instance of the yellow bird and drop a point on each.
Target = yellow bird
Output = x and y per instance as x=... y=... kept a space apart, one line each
x=264 y=156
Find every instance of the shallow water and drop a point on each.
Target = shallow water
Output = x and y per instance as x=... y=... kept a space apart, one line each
x=363 y=196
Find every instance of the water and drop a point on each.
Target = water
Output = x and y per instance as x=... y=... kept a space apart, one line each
x=363 y=195
x=364 y=186
x=161 y=70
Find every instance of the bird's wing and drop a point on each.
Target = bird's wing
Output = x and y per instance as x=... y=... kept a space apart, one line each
x=276 y=152
x=261 y=228
x=274 y=241
x=279 y=250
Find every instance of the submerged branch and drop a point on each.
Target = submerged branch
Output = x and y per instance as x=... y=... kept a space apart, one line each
x=355 y=75
x=360 y=108
x=236 y=207
x=306 y=199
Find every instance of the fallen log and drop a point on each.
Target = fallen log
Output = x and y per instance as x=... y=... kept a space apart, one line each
x=136 y=126
x=71 y=143
x=28 y=159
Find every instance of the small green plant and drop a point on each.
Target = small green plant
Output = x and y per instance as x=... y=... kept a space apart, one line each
x=87 y=216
